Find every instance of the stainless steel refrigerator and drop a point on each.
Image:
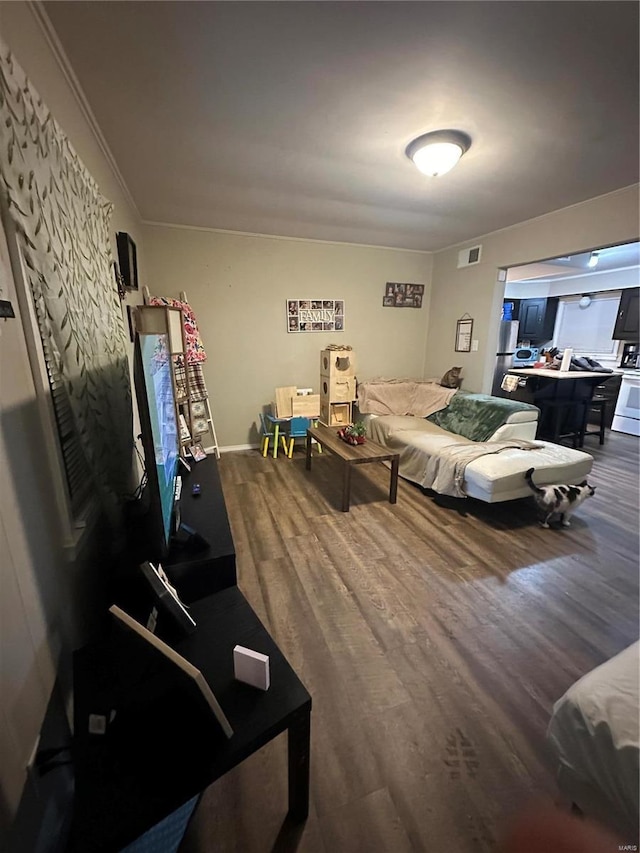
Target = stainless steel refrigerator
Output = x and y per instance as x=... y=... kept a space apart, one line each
x=507 y=345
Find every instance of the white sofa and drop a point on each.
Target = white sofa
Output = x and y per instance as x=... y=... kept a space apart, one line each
x=491 y=478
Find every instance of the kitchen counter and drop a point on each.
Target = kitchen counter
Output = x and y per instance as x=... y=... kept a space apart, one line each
x=546 y=373
x=561 y=397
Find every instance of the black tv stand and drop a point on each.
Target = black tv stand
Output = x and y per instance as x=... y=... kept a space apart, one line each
x=205 y=561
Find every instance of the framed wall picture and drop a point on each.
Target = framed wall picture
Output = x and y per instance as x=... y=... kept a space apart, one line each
x=128 y=259
x=402 y=295
x=464 y=329
x=315 y=315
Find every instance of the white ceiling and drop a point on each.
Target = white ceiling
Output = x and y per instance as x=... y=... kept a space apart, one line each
x=291 y=118
x=611 y=258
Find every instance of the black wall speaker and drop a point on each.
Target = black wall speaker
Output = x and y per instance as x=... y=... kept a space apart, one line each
x=128 y=260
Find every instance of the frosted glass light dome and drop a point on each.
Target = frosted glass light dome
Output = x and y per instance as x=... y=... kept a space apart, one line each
x=437 y=159
x=436 y=153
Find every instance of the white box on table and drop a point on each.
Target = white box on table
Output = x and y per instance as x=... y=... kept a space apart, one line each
x=251 y=667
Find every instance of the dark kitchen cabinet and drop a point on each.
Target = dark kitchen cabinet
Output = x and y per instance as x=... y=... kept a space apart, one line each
x=537 y=319
x=628 y=320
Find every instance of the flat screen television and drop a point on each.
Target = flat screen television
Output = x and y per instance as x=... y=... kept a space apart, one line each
x=157 y=410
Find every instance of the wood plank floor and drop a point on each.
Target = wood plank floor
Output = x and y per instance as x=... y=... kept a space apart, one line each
x=434 y=637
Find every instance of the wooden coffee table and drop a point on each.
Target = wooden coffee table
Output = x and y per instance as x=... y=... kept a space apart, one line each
x=353 y=454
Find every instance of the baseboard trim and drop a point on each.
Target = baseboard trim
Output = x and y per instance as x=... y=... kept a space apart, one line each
x=231 y=447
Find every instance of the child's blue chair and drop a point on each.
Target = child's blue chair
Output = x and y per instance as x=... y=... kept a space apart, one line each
x=266 y=434
x=298 y=429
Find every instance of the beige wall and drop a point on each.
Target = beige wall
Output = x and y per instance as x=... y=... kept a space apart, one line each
x=475 y=290
x=46 y=601
x=238 y=286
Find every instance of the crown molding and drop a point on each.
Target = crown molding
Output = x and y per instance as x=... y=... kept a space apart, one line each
x=39 y=13
x=210 y=230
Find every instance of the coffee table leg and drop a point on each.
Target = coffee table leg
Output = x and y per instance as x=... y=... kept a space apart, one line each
x=393 y=484
x=308 y=462
x=299 y=742
x=346 y=487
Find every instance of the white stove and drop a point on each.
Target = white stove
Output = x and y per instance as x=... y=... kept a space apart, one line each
x=627 y=414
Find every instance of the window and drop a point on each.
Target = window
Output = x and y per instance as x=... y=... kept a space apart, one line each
x=69 y=470
x=76 y=470
x=587 y=331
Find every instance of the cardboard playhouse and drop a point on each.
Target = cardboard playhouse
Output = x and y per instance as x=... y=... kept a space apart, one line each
x=292 y=402
x=333 y=405
x=337 y=386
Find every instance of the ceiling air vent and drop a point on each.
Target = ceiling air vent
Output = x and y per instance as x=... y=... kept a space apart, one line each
x=469 y=257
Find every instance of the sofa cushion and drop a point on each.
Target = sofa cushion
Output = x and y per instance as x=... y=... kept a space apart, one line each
x=478 y=416
x=402 y=397
x=527 y=430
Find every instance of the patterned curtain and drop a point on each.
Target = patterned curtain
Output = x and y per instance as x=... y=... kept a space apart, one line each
x=63 y=224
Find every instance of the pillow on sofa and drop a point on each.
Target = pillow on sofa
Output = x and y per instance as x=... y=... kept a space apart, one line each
x=452 y=378
x=477 y=416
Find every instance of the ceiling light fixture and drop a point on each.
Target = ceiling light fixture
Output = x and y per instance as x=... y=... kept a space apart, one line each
x=438 y=152
x=593 y=260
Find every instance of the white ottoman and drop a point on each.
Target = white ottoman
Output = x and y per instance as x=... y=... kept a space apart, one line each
x=500 y=477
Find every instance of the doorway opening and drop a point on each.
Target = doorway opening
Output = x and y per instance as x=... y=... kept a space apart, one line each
x=571 y=301
x=583 y=306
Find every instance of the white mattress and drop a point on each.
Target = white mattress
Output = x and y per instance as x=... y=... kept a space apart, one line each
x=492 y=478
x=594 y=734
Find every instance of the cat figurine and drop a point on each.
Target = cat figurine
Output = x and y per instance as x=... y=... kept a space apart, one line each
x=452 y=378
x=559 y=500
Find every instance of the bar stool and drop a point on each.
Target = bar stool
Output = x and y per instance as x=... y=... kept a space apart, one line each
x=568 y=419
x=599 y=405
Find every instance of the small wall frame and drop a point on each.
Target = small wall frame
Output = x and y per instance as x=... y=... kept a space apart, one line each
x=464 y=330
x=128 y=258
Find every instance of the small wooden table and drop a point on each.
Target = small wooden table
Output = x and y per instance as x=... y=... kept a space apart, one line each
x=353 y=454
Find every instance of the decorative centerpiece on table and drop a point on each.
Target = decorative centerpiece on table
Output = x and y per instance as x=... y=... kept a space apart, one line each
x=354 y=433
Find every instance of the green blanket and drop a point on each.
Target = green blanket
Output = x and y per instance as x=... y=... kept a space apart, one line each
x=476 y=416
